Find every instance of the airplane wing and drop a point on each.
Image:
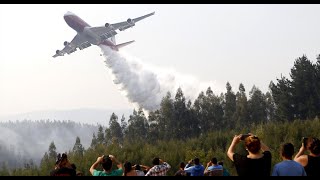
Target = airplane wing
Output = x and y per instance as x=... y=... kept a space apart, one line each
x=108 y=30
x=77 y=42
x=129 y=23
x=103 y=32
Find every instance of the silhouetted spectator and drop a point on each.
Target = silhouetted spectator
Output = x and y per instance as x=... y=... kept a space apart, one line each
x=213 y=168
x=63 y=167
x=310 y=162
x=160 y=168
x=106 y=162
x=129 y=170
x=181 y=171
x=196 y=170
x=137 y=167
x=225 y=170
x=288 y=167
x=255 y=163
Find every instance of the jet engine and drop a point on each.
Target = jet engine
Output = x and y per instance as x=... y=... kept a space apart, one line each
x=57 y=52
x=107 y=25
x=66 y=43
x=130 y=21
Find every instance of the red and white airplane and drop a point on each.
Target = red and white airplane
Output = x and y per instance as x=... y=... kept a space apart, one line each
x=87 y=35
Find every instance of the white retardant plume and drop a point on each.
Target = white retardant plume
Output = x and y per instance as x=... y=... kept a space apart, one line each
x=145 y=86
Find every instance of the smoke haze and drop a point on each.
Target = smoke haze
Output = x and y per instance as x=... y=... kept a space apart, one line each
x=21 y=141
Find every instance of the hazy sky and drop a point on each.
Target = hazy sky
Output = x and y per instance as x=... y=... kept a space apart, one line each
x=249 y=44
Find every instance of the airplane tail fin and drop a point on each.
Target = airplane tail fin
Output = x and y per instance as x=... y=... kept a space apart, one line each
x=124 y=44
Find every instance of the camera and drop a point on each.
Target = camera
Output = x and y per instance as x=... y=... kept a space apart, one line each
x=305 y=141
x=244 y=136
x=106 y=158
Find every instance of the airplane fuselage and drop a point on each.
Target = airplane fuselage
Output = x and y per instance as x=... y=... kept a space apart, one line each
x=83 y=29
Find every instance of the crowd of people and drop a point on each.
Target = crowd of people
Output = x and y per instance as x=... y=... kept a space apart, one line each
x=257 y=162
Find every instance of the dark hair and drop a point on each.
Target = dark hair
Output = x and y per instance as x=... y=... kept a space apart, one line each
x=196 y=161
x=156 y=161
x=61 y=158
x=137 y=167
x=182 y=164
x=287 y=150
x=220 y=163
x=214 y=160
x=58 y=159
x=127 y=167
x=314 y=146
x=74 y=166
x=106 y=163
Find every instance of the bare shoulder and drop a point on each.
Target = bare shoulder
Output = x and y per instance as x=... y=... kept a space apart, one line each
x=303 y=159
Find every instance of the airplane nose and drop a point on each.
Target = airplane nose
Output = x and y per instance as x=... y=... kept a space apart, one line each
x=68 y=13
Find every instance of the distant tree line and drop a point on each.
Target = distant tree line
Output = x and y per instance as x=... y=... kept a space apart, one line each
x=181 y=129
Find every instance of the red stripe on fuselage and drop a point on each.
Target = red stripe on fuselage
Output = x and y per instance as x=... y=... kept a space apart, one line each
x=76 y=22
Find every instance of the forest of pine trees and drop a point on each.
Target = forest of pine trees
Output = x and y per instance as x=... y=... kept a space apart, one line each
x=181 y=129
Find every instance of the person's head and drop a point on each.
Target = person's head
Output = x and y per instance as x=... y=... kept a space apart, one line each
x=214 y=160
x=106 y=163
x=182 y=165
x=252 y=144
x=127 y=167
x=196 y=161
x=137 y=167
x=62 y=160
x=287 y=150
x=79 y=173
x=314 y=145
x=156 y=161
x=74 y=166
x=220 y=163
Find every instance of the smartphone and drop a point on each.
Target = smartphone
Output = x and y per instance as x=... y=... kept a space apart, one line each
x=305 y=141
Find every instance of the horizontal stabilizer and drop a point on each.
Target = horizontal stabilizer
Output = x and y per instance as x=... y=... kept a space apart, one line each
x=124 y=44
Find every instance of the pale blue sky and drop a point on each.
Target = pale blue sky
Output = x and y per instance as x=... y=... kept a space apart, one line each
x=243 y=43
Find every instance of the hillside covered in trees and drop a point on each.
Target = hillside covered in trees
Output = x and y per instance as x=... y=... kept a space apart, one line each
x=26 y=141
x=181 y=129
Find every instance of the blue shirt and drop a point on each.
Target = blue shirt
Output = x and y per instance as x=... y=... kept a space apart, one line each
x=288 y=168
x=196 y=170
x=213 y=167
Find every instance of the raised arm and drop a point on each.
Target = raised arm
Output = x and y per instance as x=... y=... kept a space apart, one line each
x=114 y=159
x=208 y=165
x=235 y=141
x=300 y=157
x=95 y=164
